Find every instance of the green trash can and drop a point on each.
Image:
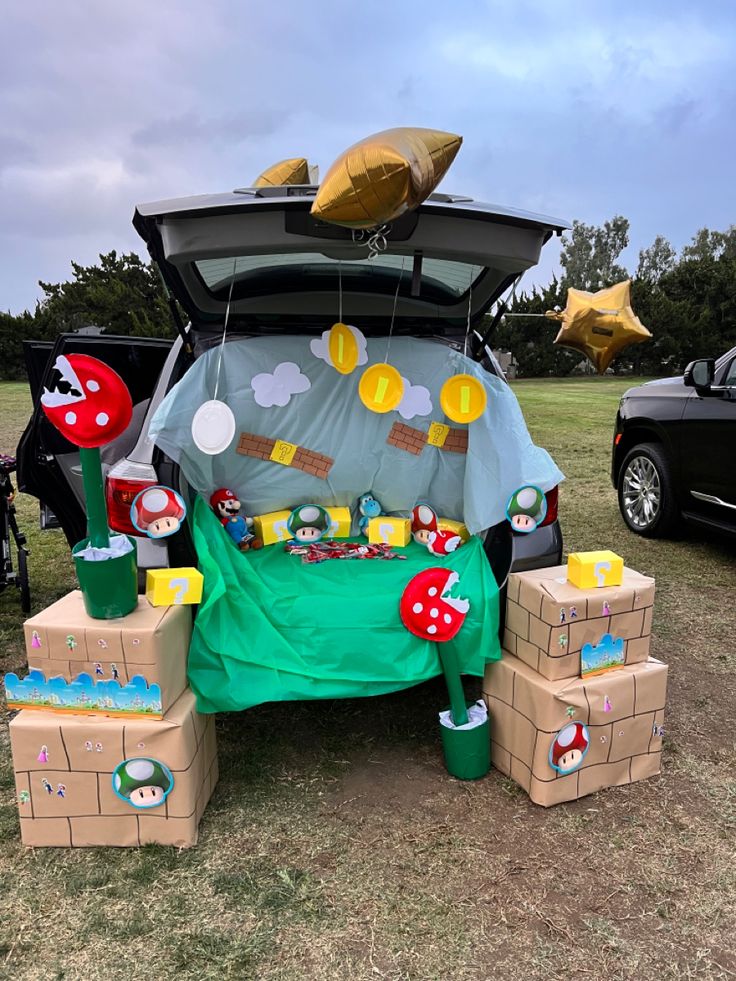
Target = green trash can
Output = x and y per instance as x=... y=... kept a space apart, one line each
x=467 y=751
x=109 y=587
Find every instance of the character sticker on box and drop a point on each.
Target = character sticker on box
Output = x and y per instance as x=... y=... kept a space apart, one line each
x=142 y=782
x=569 y=747
x=35 y=639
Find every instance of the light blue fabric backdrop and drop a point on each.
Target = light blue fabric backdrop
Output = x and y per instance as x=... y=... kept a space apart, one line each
x=330 y=418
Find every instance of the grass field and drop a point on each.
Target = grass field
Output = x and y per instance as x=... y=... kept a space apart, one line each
x=336 y=846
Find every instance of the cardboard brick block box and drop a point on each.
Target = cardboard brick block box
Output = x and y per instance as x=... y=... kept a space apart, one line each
x=549 y=621
x=151 y=643
x=64 y=767
x=561 y=740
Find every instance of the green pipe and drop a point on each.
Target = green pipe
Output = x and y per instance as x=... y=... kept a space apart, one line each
x=458 y=708
x=94 y=496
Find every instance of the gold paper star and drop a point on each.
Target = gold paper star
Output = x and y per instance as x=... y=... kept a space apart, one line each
x=601 y=324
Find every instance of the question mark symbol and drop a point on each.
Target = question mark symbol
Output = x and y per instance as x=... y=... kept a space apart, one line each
x=384 y=530
x=181 y=588
x=280 y=530
x=599 y=571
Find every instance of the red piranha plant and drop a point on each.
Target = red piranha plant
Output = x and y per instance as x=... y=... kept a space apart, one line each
x=90 y=405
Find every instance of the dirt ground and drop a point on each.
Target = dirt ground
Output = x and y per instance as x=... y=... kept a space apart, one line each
x=336 y=845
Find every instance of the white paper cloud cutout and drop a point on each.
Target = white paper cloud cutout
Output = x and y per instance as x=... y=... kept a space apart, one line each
x=319 y=346
x=277 y=388
x=416 y=401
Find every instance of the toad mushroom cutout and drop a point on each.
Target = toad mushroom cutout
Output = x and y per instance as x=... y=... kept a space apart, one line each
x=142 y=782
x=308 y=523
x=569 y=747
x=426 y=608
x=157 y=511
x=526 y=509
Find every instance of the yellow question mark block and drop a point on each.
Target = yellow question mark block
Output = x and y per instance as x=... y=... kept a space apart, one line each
x=174 y=587
x=590 y=570
x=271 y=528
x=389 y=531
x=340 y=522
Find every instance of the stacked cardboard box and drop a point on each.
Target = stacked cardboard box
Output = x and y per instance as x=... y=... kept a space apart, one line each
x=109 y=749
x=561 y=735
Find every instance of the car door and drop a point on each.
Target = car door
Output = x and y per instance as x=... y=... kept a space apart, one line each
x=48 y=465
x=709 y=449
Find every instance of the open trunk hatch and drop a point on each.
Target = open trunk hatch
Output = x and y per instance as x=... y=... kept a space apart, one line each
x=287 y=266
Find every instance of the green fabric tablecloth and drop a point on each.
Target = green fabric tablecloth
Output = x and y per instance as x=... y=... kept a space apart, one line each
x=270 y=628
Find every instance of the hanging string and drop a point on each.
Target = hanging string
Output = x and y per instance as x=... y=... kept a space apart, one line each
x=339 y=292
x=224 y=329
x=393 y=313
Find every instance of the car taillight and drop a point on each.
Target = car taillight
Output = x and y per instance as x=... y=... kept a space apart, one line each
x=124 y=481
x=551 y=515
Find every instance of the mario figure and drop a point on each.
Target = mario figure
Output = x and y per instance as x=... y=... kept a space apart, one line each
x=226 y=506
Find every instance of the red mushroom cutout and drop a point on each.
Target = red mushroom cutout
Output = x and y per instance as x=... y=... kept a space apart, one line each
x=423 y=522
x=88 y=402
x=157 y=511
x=426 y=608
x=569 y=747
x=443 y=542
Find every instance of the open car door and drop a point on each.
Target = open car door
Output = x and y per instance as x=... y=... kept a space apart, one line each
x=48 y=465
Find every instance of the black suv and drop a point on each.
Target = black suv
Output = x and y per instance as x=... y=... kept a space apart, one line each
x=674 y=450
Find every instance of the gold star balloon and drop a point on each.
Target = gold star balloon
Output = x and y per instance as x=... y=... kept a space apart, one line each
x=384 y=175
x=293 y=171
x=599 y=325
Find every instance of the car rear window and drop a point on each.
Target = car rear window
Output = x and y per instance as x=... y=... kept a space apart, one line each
x=447 y=280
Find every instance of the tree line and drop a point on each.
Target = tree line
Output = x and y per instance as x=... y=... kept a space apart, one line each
x=688 y=302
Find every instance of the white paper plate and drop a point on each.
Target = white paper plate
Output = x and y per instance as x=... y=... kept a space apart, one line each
x=213 y=427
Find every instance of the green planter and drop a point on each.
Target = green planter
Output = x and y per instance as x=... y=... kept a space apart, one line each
x=110 y=587
x=467 y=751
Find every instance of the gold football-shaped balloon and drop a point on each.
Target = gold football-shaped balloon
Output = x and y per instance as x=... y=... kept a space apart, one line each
x=294 y=171
x=601 y=324
x=384 y=175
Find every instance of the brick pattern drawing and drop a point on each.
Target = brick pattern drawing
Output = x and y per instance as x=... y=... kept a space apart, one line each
x=457 y=441
x=412 y=440
x=261 y=447
x=63 y=641
x=407 y=438
x=623 y=711
x=82 y=754
x=548 y=620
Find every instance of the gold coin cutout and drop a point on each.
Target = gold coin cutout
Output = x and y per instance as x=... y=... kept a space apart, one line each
x=463 y=398
x=343 y=348
x=380 y=388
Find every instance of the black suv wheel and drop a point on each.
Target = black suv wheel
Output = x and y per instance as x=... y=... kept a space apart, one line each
x=646 y=494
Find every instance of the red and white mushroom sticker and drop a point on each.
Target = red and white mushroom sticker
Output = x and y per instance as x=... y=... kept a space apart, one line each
x=426 y=608
x=87 y=401
x=157 y=511
x=569 y=747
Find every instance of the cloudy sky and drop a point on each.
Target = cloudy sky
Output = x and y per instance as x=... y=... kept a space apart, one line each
x=575 y=108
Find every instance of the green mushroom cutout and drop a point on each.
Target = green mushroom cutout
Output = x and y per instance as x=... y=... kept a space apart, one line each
x=308 y=523
x=142 y=782
x=527 y=508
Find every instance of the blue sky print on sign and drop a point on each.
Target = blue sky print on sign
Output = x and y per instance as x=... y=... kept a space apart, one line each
x=605 y=656
x=83 y=694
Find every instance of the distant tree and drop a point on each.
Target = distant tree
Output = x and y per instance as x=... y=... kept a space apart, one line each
x=13 y=331
x=589 y=254
x=655 y=261
x=121 y=294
